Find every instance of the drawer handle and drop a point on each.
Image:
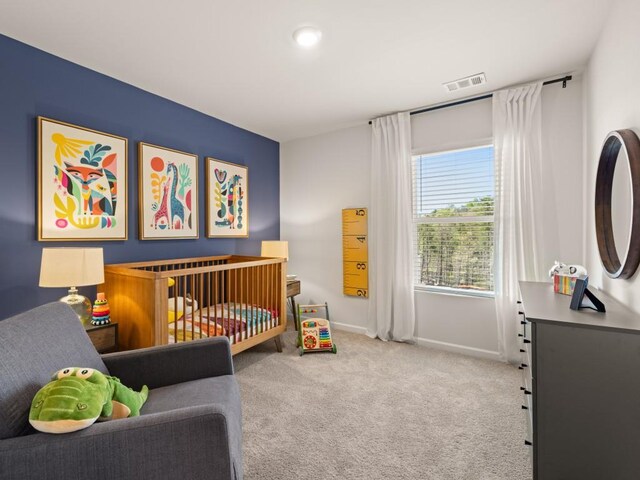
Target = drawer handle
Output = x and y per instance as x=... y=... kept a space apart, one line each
x=519 y=302
x=521 y=388
x=524 y=407
x=528 y=443
x=520 y=313
x=522 y=366
x=520 y=335
x=526 y=341
x=527 y=392
x=523 y=322
x=522 y=351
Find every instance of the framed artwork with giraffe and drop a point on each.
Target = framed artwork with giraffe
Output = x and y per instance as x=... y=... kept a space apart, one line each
x=168 y=190
x=82 y=183
x=227 y=199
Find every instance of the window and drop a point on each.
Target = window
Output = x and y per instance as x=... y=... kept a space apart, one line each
x=453 y=196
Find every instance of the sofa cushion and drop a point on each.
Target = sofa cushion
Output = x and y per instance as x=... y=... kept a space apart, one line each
x=221 y=390
x=33 y=345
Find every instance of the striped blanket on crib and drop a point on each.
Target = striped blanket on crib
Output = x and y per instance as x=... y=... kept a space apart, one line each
x=238 y=322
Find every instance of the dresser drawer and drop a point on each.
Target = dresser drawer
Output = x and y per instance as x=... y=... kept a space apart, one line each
x=527 y=380
x=527 y=401
x=528 y=420
x=526 y=355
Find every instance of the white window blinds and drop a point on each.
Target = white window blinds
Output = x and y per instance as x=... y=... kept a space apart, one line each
x=453 y=196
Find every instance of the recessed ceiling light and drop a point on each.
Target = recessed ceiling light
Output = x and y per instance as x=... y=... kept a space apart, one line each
x=307 y=36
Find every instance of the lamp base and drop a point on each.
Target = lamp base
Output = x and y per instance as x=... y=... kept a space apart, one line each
x=79 y=304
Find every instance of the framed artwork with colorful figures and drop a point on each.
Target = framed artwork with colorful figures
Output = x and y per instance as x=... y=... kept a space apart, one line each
x=227 y=199
x=168 y=190
x=82 y=183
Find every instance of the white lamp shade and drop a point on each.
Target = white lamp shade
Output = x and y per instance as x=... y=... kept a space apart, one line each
x=275 y=248
x=71 y=267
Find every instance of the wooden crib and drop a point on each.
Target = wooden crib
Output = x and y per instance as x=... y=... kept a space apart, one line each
x=166 y=301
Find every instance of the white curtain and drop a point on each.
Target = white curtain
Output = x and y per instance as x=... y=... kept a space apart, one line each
x=391 y=305
x=517 y=144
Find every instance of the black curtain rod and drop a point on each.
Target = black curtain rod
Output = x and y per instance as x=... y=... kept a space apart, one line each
x=564 y=81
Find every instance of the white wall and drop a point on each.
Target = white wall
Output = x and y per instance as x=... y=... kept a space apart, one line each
x=319 y=176
x=322 y=175
x=613 y=102
x=563 y=155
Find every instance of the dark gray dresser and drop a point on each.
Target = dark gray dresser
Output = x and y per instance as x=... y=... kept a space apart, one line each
x=581 y=386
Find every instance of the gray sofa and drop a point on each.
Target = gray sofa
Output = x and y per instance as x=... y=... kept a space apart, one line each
x=190 y=427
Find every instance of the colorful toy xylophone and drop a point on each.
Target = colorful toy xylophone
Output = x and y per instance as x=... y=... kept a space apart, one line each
x=314 y=334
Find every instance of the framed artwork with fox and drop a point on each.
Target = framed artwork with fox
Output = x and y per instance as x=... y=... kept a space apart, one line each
x=82 y=183
x=168 y=189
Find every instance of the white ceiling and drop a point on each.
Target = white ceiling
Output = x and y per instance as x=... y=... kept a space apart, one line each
x=236 y=60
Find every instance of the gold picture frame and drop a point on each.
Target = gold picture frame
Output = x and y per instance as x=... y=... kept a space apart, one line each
x=82 y=183
x=167 y=193
x=227 y=199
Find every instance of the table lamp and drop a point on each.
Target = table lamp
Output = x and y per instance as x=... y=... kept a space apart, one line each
x=275 y=248
x=73 y=267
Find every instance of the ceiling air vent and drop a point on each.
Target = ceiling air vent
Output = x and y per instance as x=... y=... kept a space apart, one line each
x=472 y=81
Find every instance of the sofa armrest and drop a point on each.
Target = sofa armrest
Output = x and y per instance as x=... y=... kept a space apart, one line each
x=171 y=364
x=162 y=445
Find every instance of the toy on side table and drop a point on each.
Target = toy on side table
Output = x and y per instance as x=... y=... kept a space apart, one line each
x=314 y=334
x=101 y=312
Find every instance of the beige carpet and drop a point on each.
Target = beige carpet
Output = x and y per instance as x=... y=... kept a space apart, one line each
x=379 y=410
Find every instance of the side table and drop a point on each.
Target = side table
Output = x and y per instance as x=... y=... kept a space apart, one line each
x=293 y=289
x=103 y=337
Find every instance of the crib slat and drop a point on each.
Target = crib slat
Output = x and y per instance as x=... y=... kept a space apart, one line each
x=252 y=291
x=238 y=321
x=247 y=302
x=175 y=309
x=223 y=299
x=192 y=285
x=215 y=331
x=200 y=303
x=270 y=287
x=263 y=288
x=184 y=295
x=243 y=328
x=259 y=285
x=233 y=327
x=216 y=299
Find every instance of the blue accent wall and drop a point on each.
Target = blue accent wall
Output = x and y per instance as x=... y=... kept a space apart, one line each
x=35 y=83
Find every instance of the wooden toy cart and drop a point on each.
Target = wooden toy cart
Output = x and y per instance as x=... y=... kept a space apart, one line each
x=314 y=334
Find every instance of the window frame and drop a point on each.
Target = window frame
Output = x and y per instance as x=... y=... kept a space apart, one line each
x=444 y=149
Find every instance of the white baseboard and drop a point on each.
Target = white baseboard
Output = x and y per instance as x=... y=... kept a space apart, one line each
x=349 y=328
x=452 y=347
x=425 y=342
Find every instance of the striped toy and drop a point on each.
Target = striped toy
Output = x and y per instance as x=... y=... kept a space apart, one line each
x=101 y=313
x=564 y=284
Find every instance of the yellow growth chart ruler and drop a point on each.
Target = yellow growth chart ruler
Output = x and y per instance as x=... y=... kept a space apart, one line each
x=355 y=252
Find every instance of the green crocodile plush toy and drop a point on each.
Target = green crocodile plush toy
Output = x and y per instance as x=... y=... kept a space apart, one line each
x=76 y=397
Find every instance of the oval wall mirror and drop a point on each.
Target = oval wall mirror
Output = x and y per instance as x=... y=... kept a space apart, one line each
x=618 y=204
